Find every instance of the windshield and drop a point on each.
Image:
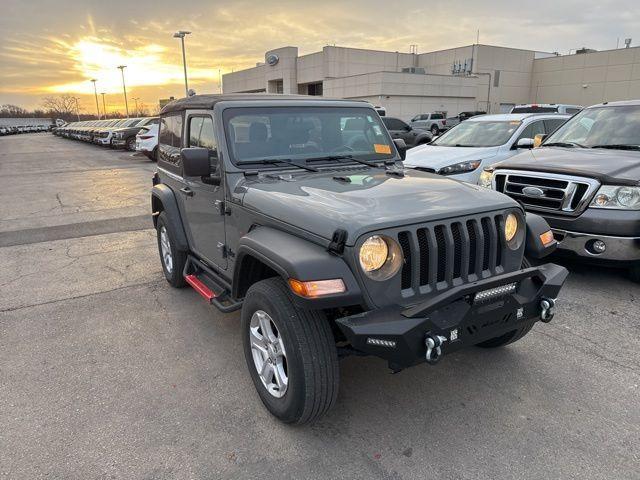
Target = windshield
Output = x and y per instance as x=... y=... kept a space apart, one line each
x=478 y=134
x=265 y=133
x=601 y=126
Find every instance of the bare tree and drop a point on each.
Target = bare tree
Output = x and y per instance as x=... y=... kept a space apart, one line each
x=63 y=106
x=13 y=111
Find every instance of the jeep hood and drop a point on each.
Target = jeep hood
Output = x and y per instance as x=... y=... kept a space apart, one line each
x=371 y=200
x=433 y=156
x=608 y=166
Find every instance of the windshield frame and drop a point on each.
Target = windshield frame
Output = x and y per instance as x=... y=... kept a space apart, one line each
x=246 y=164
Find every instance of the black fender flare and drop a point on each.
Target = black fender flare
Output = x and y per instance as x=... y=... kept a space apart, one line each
x=164 y=195
x=536 y=226
x=426 y=135
x=294 y=257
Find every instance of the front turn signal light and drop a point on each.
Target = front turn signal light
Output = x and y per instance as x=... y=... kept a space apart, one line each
x=316 y=288
x=547 y=238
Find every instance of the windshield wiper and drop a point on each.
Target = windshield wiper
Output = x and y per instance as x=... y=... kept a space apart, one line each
x=271 y=161
x=563 y=144
x=349 y=157
x=619 y=146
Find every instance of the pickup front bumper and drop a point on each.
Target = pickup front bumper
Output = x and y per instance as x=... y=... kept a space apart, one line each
x=457 y=318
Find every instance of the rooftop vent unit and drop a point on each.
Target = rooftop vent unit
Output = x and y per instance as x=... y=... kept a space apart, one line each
x=627 y=42
x=418 y=70
x=585 y=50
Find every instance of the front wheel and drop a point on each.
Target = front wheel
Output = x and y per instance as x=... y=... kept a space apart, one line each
x=131 y=144
x=172 y=259
x=514 y=335
x=290 y=353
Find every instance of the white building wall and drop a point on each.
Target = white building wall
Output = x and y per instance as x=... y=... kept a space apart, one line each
x=587 y=78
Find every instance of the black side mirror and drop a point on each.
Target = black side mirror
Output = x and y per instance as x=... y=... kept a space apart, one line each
x=401 y=146
x=195 y=162
x=408 y=128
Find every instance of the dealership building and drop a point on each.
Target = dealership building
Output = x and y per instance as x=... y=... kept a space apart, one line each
x=473 y=77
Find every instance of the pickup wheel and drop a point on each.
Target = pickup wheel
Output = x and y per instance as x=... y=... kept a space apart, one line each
x=514 y=335
x=172 y=259
x=435 y=130
x=290 y=353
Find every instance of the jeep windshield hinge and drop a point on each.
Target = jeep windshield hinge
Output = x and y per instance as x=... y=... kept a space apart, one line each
x=222 y=207
x=337 y=242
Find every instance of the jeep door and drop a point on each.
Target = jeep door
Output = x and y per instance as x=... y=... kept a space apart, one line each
x=203 y=202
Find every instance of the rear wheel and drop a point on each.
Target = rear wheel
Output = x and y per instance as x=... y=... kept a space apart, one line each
x=514 y=335
x=290 y=353
x=435 y=130
x=172 y=259
x=131 y=143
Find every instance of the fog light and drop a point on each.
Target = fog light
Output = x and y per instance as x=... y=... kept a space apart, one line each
x=599 y=246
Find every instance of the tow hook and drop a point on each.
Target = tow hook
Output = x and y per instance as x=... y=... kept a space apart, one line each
x=547 y=309
x=434 y=350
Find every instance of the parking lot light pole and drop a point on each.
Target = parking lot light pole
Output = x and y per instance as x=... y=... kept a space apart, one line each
x=135 y=99
x=124 y=89
x=77 y=108
x=95 y=91
x=104 y=107
x=181 y=34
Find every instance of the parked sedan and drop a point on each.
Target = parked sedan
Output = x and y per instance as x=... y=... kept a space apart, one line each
x=411 y=136
x=479 y=142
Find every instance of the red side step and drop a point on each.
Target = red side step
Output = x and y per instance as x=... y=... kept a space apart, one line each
x=200 y=287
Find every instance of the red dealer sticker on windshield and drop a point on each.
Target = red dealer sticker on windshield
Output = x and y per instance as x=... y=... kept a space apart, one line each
x=380 y=148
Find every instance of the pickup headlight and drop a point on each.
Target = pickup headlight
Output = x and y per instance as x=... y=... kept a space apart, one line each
x=380 y=257
x=485 y=178
x=462 y=167
x=617 y=197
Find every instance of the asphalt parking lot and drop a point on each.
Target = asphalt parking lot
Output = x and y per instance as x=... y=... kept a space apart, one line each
x=106 y=372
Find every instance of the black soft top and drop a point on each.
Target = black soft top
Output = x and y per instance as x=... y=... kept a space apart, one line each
x=208 y=101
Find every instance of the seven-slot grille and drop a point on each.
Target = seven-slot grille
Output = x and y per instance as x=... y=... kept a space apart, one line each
x=564 y=194
x=441 y=255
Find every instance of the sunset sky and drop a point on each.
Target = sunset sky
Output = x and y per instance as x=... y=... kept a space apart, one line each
x=53 y=47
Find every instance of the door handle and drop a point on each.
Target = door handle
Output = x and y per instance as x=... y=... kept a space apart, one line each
x=187 y=191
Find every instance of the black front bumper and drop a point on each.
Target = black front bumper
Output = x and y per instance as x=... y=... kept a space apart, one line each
x=458 y=315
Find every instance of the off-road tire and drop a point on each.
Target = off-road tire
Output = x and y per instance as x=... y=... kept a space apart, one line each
x=514 y=335
x=311 y=355
x=174 y=277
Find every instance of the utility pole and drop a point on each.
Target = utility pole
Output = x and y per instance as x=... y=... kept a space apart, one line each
x=95 y=91
x=124 y=89
x=104 y=108
x=181 y=34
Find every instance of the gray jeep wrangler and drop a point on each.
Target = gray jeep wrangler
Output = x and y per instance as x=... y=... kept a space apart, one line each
x=298 y=211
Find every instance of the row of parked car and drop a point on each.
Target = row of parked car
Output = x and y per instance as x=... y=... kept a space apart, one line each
x=127 y=133
x=16 y=129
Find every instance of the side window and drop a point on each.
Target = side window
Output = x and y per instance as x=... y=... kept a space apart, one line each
x=195 y=126
x=393 y=123
x=170 y=141
x=437 y=116
x=207 y=135
x=551 y=125
x=532 y=130
x=572 y=110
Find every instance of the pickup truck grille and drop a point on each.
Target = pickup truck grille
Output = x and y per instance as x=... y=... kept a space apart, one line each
x=443 y=255
x=564 y=194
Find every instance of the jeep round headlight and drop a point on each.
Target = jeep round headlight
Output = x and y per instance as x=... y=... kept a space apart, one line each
x=380 y=257
x=510 y=227
x=373 y=253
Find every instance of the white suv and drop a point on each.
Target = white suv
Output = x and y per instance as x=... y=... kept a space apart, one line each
x=147 y=141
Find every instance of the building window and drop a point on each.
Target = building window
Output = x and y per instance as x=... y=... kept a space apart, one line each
x=496 y=78
x=314 y=89
x=276 y=86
